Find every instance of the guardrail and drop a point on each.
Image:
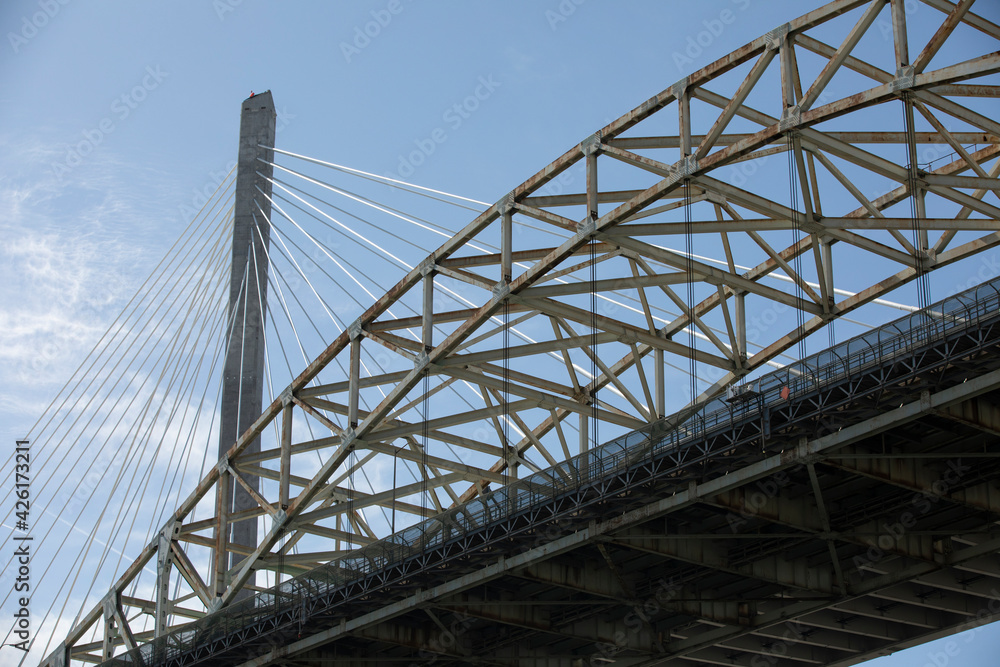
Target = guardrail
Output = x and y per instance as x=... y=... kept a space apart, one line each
x=852 y=359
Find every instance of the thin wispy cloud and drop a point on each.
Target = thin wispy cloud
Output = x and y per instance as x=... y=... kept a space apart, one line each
x=65 y=260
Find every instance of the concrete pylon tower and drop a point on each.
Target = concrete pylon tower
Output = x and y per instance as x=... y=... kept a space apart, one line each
x=243 y=376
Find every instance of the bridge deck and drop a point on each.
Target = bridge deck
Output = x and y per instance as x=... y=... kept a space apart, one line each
x=846 y=507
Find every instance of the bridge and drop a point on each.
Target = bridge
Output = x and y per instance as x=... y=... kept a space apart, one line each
x=834 y=510
x=586 y=428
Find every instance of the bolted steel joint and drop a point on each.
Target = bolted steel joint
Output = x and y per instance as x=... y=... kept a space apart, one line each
x=500 y=291
x=791 y=117
x=678 y=88
x=109 y=603
x=775 y=37
x=591 y=144
x=683 y=168
x=354 y=330
x=587 y=227
x=506 y=204
x=171 y=529
x=904 y=79
x=688 y=166
x=427 y=267
x=421 y=361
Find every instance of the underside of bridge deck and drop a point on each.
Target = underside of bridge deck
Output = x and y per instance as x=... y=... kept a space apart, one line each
x=847 y=535
x=842 y=508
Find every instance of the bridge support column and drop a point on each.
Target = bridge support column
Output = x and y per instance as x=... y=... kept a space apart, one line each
x=660 y=381
x=243 y=375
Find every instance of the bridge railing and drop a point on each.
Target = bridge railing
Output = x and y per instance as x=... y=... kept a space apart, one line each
x=849 y=360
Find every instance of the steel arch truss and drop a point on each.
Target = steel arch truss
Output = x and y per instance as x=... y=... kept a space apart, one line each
x=580 y=328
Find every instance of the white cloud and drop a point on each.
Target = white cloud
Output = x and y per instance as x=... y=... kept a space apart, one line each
x=67 y=262
x=59 y=292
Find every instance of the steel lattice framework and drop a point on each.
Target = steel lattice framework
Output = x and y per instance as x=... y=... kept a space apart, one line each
x=653 y=180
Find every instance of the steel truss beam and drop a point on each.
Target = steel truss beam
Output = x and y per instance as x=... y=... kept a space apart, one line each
x=926 y=597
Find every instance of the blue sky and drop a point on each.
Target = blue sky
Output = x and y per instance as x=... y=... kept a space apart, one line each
x=116 y=118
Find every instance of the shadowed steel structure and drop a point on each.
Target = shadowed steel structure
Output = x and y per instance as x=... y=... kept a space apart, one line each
x=652 y=179
x=843 y=507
